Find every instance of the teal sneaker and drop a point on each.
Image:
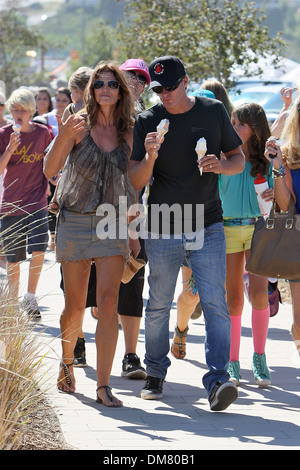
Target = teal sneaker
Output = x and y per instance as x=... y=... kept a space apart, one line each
x=234 y=372
x=260 y=370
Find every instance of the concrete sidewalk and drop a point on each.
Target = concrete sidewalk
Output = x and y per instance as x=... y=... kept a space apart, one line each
x=260 y=419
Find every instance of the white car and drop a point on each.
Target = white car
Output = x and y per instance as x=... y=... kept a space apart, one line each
x=267 y=95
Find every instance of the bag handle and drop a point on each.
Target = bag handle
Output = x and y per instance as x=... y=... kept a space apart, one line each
x=291 y=210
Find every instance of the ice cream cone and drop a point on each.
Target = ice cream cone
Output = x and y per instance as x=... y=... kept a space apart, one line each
x=201 y=149
x=162 y=128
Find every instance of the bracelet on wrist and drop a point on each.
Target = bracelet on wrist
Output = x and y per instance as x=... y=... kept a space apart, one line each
x=278 y=173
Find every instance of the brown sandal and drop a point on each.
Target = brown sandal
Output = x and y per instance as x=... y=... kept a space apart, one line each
x=109 y=396
x=181 y=345
x=67 y=378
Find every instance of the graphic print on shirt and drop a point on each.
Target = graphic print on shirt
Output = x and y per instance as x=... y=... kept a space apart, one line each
x=25 y=156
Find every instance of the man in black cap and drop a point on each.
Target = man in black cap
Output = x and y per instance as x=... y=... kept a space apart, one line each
x=185 y=219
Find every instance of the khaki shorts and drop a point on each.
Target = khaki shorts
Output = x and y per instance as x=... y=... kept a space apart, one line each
x=238 y=238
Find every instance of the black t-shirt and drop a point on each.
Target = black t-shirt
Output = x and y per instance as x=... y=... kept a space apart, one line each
x=176 y=177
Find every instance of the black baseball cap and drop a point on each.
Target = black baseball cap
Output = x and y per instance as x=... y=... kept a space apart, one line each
x=166 y=71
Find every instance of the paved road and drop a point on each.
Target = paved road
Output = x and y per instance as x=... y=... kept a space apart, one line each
x=261 y=419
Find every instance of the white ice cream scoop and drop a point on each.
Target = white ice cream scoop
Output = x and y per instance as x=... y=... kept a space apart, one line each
x=16 y=128
x=162 y=128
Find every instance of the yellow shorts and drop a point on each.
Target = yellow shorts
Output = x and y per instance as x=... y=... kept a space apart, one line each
x=238 y=238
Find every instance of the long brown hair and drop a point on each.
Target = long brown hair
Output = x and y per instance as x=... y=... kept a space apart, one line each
x=254 y=115
x=123 y=113
x=220 y=93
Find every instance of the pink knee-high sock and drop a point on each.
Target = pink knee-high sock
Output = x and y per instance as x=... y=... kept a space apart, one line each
x=236 y=325
x=260 y=324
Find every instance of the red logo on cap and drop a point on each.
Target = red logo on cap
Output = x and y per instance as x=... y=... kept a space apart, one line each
x=158 y=69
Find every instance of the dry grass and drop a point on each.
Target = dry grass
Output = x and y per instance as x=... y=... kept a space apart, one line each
x=20 y=377
x=42 y=430
x=27 y=420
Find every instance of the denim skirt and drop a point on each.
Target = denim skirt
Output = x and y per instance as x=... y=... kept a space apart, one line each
x=86 y=236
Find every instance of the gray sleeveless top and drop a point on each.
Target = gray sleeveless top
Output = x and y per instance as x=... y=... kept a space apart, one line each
x=91 y=177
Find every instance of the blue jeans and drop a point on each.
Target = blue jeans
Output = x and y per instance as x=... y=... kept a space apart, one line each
x=165 y=257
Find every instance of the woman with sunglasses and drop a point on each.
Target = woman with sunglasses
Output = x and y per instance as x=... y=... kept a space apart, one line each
x=286 y=171
x=130 y=304
x=93 y=148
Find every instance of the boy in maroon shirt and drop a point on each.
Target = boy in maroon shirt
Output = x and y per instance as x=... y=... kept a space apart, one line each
x=23 y=206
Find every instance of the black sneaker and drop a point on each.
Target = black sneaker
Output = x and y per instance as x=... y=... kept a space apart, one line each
x=153 y=388
x=79 y=353
x=222 y=396
x=131 y=367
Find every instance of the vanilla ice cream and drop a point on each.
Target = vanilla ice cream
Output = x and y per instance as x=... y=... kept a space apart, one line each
x=16 y=128
x=162 y=128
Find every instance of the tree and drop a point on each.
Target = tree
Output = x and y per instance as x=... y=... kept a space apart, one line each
x=290 y=17
x=209 y=36
x=100 y=42
x=15 y=39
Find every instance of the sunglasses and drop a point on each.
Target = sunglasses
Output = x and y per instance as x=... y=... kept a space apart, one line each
x=2 y=104
x=140 y=78
x=112 y=84
x=159 y=89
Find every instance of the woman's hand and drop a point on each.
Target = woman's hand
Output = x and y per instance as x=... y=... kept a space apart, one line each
x=71 y=127
x=268 y=194
x=273 y=153
x=63 y=143
x=286 y=95
x=134 y=246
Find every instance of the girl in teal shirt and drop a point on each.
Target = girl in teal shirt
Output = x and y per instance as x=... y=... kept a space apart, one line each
x=240 y=211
